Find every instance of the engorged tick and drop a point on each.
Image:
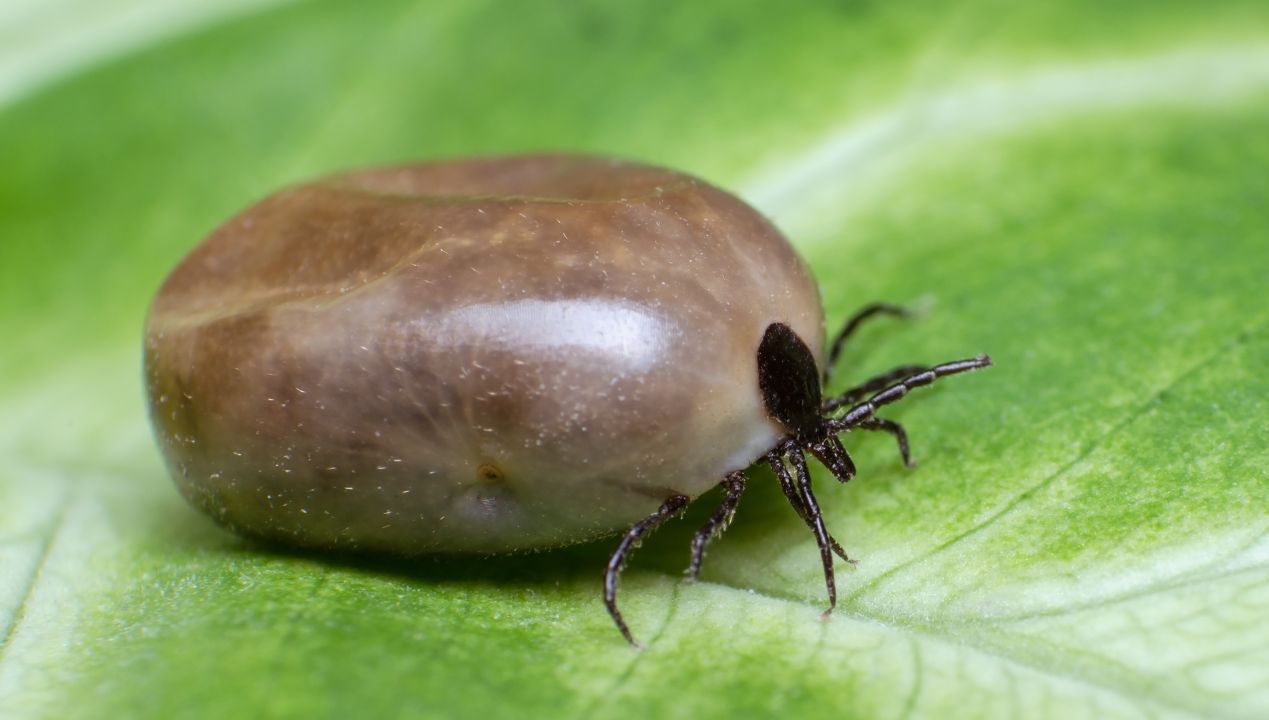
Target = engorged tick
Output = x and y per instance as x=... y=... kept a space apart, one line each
x=500 y=354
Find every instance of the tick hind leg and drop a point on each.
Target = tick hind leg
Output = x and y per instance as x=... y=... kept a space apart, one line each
x=671 y=507
x=734 y=485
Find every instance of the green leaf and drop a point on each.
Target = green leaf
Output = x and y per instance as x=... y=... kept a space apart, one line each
x=1079 y=190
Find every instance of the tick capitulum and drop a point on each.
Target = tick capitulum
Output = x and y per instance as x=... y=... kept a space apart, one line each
x=792 y=393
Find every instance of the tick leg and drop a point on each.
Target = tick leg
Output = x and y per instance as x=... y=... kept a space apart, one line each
x=871 y=386
x=822 y=537
x=894 y=428
x=857 y=415
x=734 y=484
x=633 y=537
x=852 y=324
x=795 y=499
x=776 y=462
x=833 y=456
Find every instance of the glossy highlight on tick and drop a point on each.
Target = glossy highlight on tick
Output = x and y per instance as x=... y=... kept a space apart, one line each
x=501 y=354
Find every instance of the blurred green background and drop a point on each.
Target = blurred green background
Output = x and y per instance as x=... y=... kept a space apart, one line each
x=1078 y=188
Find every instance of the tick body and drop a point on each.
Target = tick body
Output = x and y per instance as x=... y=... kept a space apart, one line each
x=496 y=355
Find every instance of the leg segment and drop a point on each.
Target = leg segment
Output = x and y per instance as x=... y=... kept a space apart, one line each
x=894 y=428
x=871 y=386
x=856 y=416
x=833 y=456
x=852 y=324
x=776 y=461
x=734 y=484
x=817 y=524
x=633 y=537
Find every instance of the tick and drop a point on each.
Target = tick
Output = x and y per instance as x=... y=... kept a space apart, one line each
x=501 y=354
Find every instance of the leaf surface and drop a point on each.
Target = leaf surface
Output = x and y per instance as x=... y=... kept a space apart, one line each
x=1077 y=189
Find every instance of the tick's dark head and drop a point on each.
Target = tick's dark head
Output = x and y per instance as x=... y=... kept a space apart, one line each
x=790 y=381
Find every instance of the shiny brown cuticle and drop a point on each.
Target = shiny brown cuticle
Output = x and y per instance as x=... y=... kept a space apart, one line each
x=499 y=354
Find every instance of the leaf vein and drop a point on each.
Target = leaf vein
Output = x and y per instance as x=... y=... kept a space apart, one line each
x=32 y=580
x=1133 y=415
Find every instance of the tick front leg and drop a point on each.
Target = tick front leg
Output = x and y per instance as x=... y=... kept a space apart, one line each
x=861 y=413
x=671 y=507
x=734 y=484
x=776 y=461
x=833 y=456
x=817 y=524
x=871 y=386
